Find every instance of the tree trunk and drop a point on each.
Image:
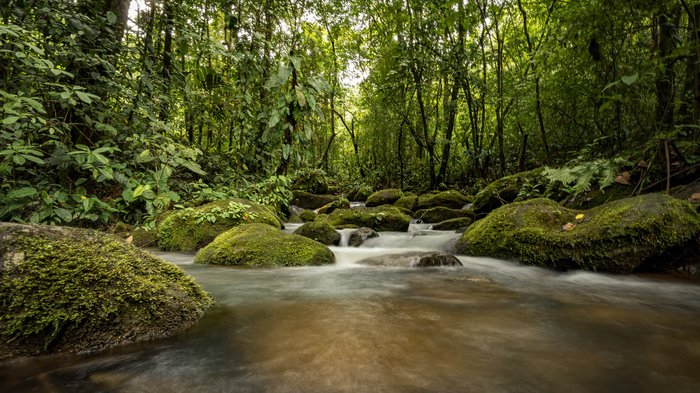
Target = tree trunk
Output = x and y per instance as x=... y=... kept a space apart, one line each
x=451 y=115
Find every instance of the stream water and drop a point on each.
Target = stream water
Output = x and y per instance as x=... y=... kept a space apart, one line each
x=489 y=326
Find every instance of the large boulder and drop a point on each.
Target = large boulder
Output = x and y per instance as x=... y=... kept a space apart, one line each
x=452 y=199
x=439 y=214
x=640 y=233
x=413 y=259
x=359 y=237
x=74 y=290
x=261 y=245
x=193 y=228
x=362 y=193
x=504 y=190
x=384 y=197
x=383 y=218
x=313 y=181
x=407 y=202
x=321 y=231
x=311 y=201
x=308 y=216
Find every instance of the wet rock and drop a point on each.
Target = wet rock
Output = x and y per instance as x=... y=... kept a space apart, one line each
x=194 y=228
x=311 y=201
x=71 y=290
x=261 y=245
x=383 y=218
x=451 y=199
x=453 y=224
x=413 y=259
x=320 y=231
x=648 y=232
x=439 y=214
x=384 y=197
x=360 y=236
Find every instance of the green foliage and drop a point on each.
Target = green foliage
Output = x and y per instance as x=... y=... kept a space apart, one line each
x=580 y=178
x=234 y=211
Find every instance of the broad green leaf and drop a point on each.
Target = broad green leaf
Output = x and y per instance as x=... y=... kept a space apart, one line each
x=111 y=17
x=84 y=97
x=10 y=120
x=64 y=214
x=20 y=193
x=300 y=97
x=629 y=79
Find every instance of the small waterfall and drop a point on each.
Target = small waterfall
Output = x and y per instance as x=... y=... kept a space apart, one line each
x=354 y=205
x=345 y=236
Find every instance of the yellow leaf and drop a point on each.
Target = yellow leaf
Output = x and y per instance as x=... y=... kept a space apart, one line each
x=246 y=217
x=580 y=217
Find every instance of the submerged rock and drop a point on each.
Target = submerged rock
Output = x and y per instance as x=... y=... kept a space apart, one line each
x=383 y=218
x=320 y=231
x=413 y=259
x=384 y=197
x=360 y=236
x=193 y=228
x=439 y=214
x=311 y=201
x=261 y=245
x=451 y=199
x=644 y=232
x=72 y=290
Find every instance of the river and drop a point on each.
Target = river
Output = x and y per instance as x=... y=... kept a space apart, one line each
x=488 y=326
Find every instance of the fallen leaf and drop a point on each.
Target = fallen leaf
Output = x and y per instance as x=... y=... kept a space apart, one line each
x=624 y=178
x=580 y=217
x=568 y=226
x=694 y=198
x=130 y=239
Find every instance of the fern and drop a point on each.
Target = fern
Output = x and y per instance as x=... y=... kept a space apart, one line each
x=581 y=178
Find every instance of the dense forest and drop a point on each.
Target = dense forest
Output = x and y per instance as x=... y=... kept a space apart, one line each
x=116 y=110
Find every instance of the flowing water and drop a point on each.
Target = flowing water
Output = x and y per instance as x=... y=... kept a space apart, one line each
x=489 y=326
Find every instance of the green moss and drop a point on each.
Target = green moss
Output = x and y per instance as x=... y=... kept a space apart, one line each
x=622 y=236
x=308 y=215
x=69 y=290
x=452 y=199
x=260 y=245
x=328 y=208
x=504 y=190
x=384 y=197
x=320 y=231
x=181 y=232
x=382 y=218
x=438 y=214
x=307 y=200
x=406 y=202
x=362 y=193
x=453 y=224
x=141 y=237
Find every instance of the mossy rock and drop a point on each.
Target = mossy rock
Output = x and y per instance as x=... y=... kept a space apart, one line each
x=452 y=199
x=504 y=190
x=439 y=214
x=141 y=237
x=321 y=217
x=412 y=259
x=406 y=202
x=320 y=231
x=314 y=182
x=328 y=208
x=307 y=200
x=308 y=216
x=73 y=290
x=384 y=197
x=623 y=236
x=362 y=193
x=453 y=224
x=360 y=236
x=180 y=231
x=382 y=218
x=261 y=245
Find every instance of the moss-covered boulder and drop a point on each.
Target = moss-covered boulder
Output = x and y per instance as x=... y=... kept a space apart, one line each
x=193 y=228
x=328 y=208
x=312 y=181
x=644 y=232
x=452 y=199
x=453 y=224
x=439 y=214
x=320 y=231
x=382 y=218
x=142 y=237
x=261 y=245
x=308 y=216
x=407 y=202
x=70 y=290
x=504 y=190
x=362 y=193
x=360 y=236
x=307 y=200
x=384 y=197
